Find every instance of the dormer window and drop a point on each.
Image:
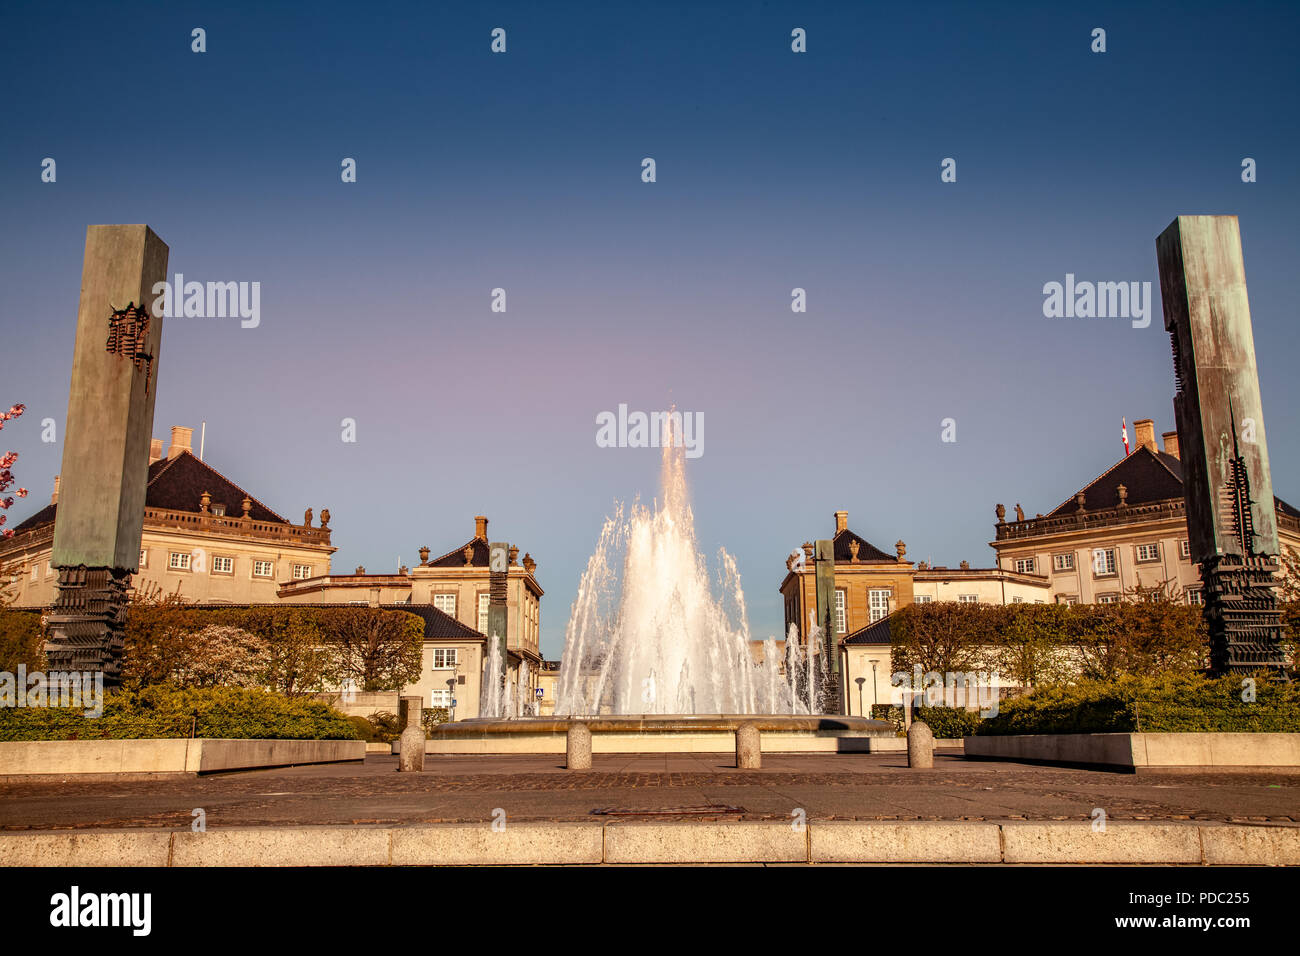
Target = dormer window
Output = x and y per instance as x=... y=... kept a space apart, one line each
x=218 y=509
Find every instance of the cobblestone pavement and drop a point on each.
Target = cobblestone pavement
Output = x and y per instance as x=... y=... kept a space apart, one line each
x=824 y=787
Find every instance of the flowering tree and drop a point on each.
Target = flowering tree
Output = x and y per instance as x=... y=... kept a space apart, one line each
x=6 y=475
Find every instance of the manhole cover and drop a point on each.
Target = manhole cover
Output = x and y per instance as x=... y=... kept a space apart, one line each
x=708 y=809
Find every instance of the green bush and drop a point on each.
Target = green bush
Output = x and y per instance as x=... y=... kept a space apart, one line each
x=21 y=640
x=163 y=711
x=948 y=723
x=1168 y=704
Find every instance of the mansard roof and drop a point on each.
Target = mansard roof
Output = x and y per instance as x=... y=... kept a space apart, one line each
x=175 y=484
x=455 y=558
x=1147 y=476
x=866 y=550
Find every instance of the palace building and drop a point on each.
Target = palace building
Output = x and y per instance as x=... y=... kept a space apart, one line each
x=1122 y=536
x=205 y=539
x=455 y=585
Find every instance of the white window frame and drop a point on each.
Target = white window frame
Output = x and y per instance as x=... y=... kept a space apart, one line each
x=1026 y=565
x=449 y=657
x=484 y=602
x=1112 y=563
x=1196 y=596
x=968 y=599
x=923 y=599
x=445 y=597
x=144 y=557
x=841 y=611
x=1063 y=561
x=262 y=562
x=1110 y=597
x=183 y=564
x=878 y=604
x=440 y=697
x=305 y=568
x=1185 y=549
x=1152 y=549
x=217 y=560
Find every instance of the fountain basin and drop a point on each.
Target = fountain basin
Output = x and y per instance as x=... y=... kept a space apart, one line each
x=659 y=733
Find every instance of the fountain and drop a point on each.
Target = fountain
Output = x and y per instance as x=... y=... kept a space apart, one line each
x=654 y=661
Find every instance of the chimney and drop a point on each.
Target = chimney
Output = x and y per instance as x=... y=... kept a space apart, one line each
x=1171 y=443
x=841 y=521
x=180 y=441
x=1144 y=430
x=155 y=449
x=480 y=527
x=54 y=498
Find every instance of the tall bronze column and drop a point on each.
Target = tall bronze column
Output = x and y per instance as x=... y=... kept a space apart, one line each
x=1231 y=521
x=100 y=513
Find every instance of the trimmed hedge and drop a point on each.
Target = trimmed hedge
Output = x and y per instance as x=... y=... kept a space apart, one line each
x=1170 y=704
x=948 y=723
x=161 y=711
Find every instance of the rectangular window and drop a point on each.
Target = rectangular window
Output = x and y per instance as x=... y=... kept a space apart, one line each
x=301 y=571
x=440 y=697
x=219 y=510
x=1017 y=600
x=263 y=569
x=878 y=600
x=483 y=600
x=36 y=571
x=1195 y=596
x=1148 y=552
x=1107 y=598
x=1067 y=599
x=178 y=561
x=1024 y=565
x=223 y=564
x=445 y=603
x=1186 y=549
x=443 y=658
x=968 y=598
x=923 y=598
x=1063 y=562
x=840 y=626
x=144 y=558
x=1103 y=561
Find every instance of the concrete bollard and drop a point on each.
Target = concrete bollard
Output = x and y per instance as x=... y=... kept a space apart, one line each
x=410 y=752
x=577 y=746
x=920 y=746
x=749 y=746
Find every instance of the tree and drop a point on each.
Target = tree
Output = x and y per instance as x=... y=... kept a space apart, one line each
x=380 y=650
x=942 y=636
x=6 y=474
x=219 y=655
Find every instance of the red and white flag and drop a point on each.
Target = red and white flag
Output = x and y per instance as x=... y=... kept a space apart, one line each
x=1123 y=427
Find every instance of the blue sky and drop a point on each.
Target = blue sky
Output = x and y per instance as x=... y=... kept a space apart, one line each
x=521 y=170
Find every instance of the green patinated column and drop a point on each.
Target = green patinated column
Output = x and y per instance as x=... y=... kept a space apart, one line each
x=100 y=513
x=825 y=577
x=498 y=611
x=1231 y=520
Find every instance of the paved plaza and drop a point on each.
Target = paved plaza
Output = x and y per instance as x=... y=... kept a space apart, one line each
x=468 y=789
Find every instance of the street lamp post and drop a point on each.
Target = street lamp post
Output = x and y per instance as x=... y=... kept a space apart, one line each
x=860 y=681
x=875 y=693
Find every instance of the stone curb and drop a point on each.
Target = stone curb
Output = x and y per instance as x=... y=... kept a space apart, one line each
x=626 y=842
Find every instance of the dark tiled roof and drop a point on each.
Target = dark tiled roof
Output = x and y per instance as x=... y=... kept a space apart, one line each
x=877 y=633
x=176 y=484
x=456 y=557
x=438 y=624
x=866 y=550
x=44 y=516
x=1147 y=476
